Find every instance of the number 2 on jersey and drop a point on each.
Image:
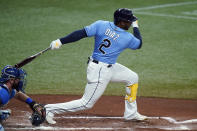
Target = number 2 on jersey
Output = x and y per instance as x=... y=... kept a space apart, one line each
x=103 y=45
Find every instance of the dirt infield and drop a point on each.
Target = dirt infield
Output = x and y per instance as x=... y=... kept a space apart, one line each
x=164 y=114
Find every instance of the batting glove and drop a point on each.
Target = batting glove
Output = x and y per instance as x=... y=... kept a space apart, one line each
x=56 y=44
x=135 y=22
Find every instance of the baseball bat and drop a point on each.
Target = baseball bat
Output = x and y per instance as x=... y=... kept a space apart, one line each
x=31 y=58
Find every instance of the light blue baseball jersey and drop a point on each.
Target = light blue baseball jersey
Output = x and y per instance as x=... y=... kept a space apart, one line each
x=5 y=95
x=110 y=41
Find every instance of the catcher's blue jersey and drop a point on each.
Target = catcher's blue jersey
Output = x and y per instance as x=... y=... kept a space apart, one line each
x=110 y=41
x=5 y=95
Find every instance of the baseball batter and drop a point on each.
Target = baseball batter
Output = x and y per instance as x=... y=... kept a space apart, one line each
x=111 y=38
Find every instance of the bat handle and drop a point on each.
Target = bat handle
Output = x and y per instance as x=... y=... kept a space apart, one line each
x=39 y=53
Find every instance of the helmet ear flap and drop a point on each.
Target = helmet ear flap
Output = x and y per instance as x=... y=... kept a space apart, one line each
x=116 y=20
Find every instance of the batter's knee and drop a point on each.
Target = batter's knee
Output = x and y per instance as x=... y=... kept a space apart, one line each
x=132 y=78
x=87 y=104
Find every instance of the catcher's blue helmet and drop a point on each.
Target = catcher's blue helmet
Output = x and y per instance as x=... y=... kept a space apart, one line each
x=9 y=72
x=123 y=14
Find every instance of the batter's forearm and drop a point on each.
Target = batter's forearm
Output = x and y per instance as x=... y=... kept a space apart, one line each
x=74 y=36
x=137 y=34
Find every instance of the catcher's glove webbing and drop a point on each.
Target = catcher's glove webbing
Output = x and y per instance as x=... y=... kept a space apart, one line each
x=39 y=114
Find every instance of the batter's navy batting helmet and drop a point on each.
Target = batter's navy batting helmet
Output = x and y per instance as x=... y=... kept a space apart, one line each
x=9 y=72
x=123 y=14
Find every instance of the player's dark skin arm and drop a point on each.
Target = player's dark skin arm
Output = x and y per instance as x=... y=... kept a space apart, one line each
x=74 y=36
x=136 y=33
x=21 y=96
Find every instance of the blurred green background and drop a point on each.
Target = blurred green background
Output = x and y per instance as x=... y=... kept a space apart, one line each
x=166 y=65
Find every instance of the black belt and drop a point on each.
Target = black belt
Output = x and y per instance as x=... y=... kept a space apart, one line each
x=95 y=61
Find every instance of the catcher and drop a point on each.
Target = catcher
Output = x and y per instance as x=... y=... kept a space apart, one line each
x=12 y=84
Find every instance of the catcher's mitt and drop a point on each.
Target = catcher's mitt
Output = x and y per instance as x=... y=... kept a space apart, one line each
x=39 y=114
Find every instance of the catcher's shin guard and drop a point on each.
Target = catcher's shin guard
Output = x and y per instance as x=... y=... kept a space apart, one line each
x=1 y=128
x=131 y=93
x=4 y=114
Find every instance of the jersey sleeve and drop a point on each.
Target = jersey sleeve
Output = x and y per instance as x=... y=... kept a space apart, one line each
x=134 y=43
x=4 y=96
x=92 y=29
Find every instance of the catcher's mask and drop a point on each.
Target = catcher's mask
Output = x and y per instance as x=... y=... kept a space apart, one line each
x=10 y=72
x=23 y=80
x=123 y=14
